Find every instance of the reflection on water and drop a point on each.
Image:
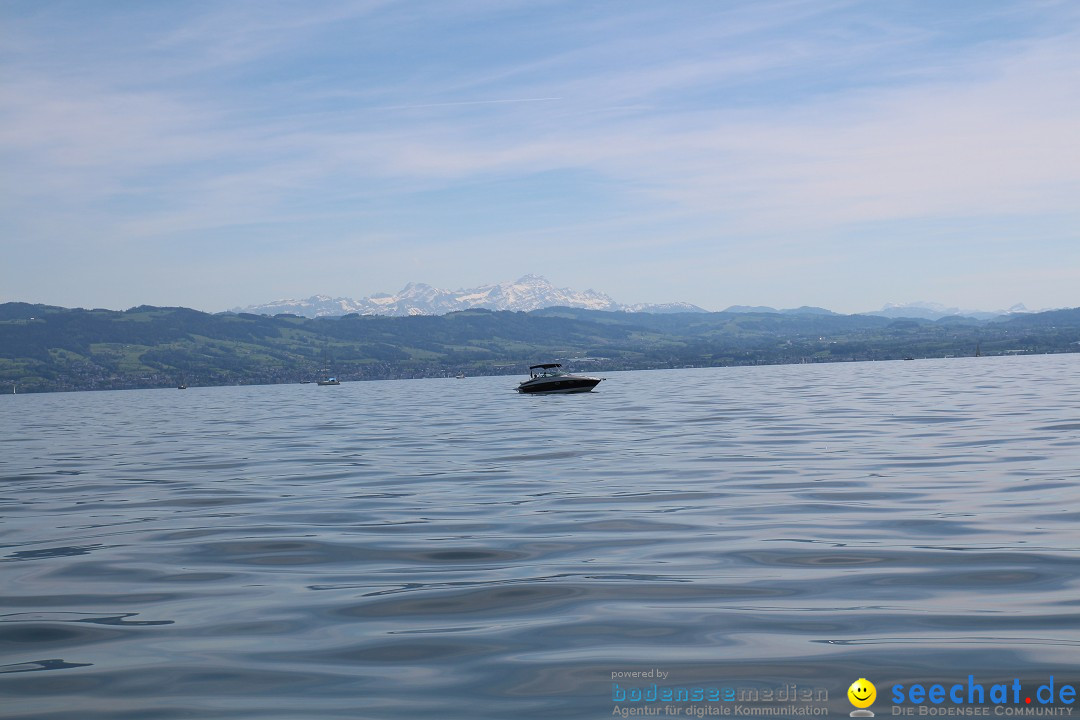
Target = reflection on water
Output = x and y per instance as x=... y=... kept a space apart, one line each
x=450 y=549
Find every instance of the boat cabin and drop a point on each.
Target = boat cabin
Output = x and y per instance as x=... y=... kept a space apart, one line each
x=545 y=370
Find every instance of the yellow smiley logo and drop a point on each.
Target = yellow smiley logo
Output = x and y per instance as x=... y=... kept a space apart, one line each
x=862 y=693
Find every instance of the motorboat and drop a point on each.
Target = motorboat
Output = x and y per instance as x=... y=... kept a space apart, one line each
x=330 y=381
x=549 y=378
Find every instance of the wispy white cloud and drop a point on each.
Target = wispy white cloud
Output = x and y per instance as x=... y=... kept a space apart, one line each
x=719 y=128
x=464 y=103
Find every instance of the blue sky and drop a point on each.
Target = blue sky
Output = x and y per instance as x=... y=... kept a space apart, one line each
x=774 y=152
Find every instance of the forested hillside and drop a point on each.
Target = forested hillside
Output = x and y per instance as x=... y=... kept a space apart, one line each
x=44 y=348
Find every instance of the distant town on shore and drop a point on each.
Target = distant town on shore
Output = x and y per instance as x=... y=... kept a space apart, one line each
x=46 y=348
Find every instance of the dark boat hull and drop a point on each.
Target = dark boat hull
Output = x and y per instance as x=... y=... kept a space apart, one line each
x=563 y=384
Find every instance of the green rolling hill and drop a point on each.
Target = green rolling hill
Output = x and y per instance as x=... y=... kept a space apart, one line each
x=47 y=348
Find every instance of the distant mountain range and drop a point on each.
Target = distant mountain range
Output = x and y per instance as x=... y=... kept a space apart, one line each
x=45 y=348
x=936 y=311
x=804 y=310
x=531 y=292
x=919 y=310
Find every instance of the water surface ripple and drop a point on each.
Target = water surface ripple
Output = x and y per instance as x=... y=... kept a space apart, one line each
x=449 y=549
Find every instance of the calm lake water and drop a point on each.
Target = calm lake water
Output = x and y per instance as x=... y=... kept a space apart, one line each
x=451 y=549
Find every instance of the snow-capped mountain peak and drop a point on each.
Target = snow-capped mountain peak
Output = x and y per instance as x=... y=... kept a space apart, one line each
x=529 y=292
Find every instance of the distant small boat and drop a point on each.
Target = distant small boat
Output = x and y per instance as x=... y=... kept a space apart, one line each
x=547 y=378
x=909 y=358
x=181 y=386
x=330 y=381
x=460 y=376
